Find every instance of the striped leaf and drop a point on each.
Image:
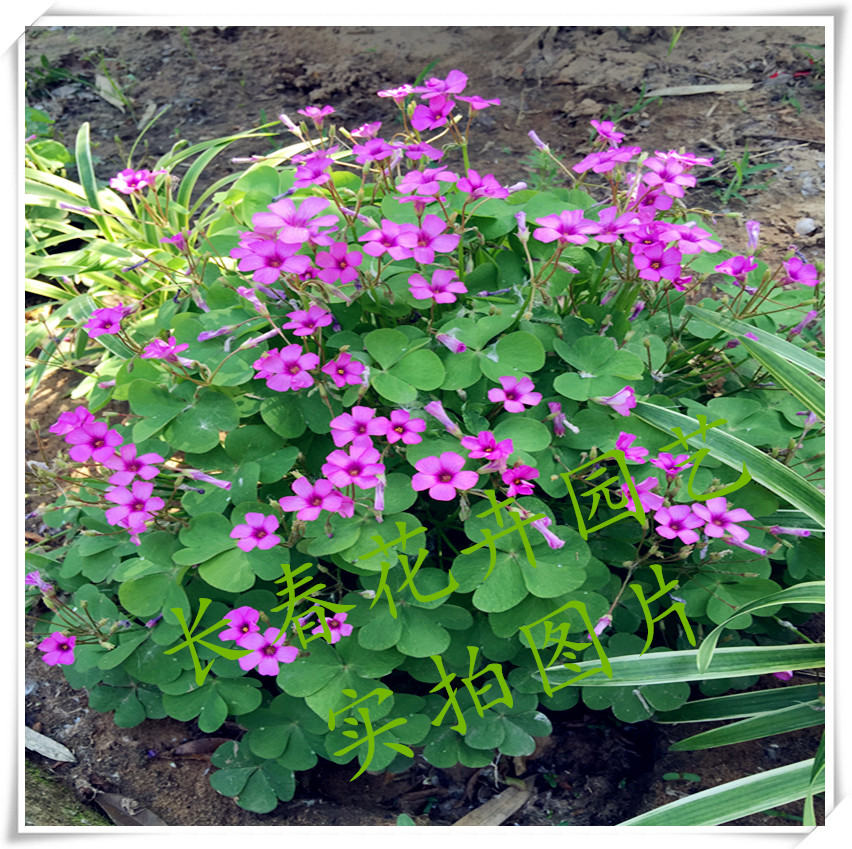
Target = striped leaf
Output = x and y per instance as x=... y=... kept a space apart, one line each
x=737 y=798
x=739 y=705
x=735 y=453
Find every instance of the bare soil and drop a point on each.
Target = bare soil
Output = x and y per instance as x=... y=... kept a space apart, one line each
x=593 y=770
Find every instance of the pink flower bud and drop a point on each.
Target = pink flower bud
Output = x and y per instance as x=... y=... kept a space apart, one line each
x=436 y=410
x=450 y=341
x=795 y=532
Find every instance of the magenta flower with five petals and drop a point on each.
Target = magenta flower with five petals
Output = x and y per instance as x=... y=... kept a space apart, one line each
x=442 y=288
x=719 y=520
x=671 y=465
x=359 y=466
x=266 y=653
x=428 y=239
x=442 y=476
x=71 y=420
x=344 y=370
x=678 y=522
x=134 y=506
x=337 y=627
x=311 y=499
x=433 y=115
x=305 y=322
x=402 y=427
x=317 y=114
x=295 y=226
x=568 y=227
x=93 y=440
x=58 y=649
x=606 y=130
x=258 y=531
x=286 y=368
x=519 y=478
x=360 y=422
x=515 y=394
x=622 y=402
x=485 y=445
x=338 y=264
x=243 y=621
x=649 y=500
x=128 y=466
x=624 y=443
x=157 y=349
x=799 y=272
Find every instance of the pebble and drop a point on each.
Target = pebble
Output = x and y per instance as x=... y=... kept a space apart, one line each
x=805 y=226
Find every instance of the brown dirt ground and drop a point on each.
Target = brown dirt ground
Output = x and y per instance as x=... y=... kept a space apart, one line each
x=219 y=80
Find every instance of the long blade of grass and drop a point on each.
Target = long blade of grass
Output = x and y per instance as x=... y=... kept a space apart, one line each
x=739 y=705
x=734 y=452
x=782 y=347
x=736 y=798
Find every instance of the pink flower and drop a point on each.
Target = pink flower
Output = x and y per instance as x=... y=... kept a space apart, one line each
x=93 y=440
x=196 y=475
x=433 y=115
x=475 y=102
x=157 y=349
x=243 y=622
x=266 y=653
x=402 y=427
x=690 y=239
x=678 y=522
x=387 y=240
x=316 y=113
x=720 y=521
x=649 y=500
x=135 y=505
x=178 y=240
x=486 y=446
x=425 y=182
x=786 y=675
x=612 y=225
x=305 y=322
x=560 y=422
x=606 y=160
x=450 y=341
x=436 y=410
x=58 y=649
x=553 y=541
x=398 y=94
x=105 y=321
x=129 y=182
x=515 y=394
x=129 y=466
x=737 y=266
x=33 y=579
x=442 y=476
x=568 y=227
x=602 y=624
x=519 y=479
x=634 y=455
x=795 y=532
x=344 y=370
x=754 y=549
x=338 y=264
x=481 y=187
x=337 y=627
x=286 y=368
x=656 y=263
x=268 y=259
x=441 y=288
x=295 y=226
x=669 y=175
x=360 y=466
x=453 y=83
x=799 y=272
x=671 y=465
x=360 y=422
x=622 y=402
x=606 y=130
x=311 y=499
x=427 y=240
x=367 y=131
x=71 y=420
x=258 y=531
x=373 y=150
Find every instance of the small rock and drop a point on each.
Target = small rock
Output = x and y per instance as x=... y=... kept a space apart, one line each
x=805 y=226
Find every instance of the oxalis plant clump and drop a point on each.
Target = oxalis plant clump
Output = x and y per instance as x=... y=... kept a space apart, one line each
x=415 y=459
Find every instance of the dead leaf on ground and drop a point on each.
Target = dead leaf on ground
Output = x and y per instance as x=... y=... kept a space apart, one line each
x=124 y=811
x=105 y=89
x=722 y=88
x=45 y=746
x=498 y=809
x=199 y=749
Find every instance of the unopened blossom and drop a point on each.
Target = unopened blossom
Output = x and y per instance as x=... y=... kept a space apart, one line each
x=442 y=288
x=602 y=624
x=519 y=479
x=450 y=341
x=134 y=506
x=428 y=239
x=127 y=465
x=268 y=259
x=484 y=445
x=196 y=475
x=800 y=272
x=317 y=114
x=401 y=427
x=58 y=649
x=71 y=420
x=286 y=368
x=719 y=520
x=737 y=266
x=635 y=454
x=804 y=322
x=442 y=476
x=344 y=370
x=243 y=621
x=33 y=579
x=485 y=186
x=436 y=410
x=649 y=500
x=754 y=549
x=157 y=349
x=311 y=499
x=338 y=264
x=606 y=160
x=94 y=441
x=337 y=627
x=553 y=541
x=795 y=532
x=432 y=115
x=678 y=522
x=295 y=225
x=515 y=394
x=105 y=321
x=560 y=421
x=637 y=309
x=568 y=227
x=266 y=652
x=258 y=531
x=361 y=421
x=622 y=402
x=359 y=466
x=753 y=230
x=129 y=182
x=178 y=240
x=606 y=130
x=537 y=141
x=671 y=464
x=373 y=150
x=785 y=675
x=811 y=418
x=476 y=103
x=305 y=322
